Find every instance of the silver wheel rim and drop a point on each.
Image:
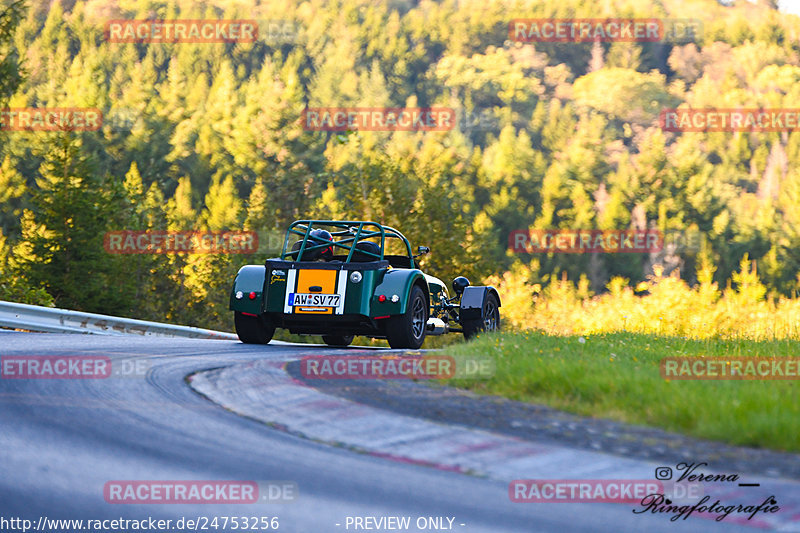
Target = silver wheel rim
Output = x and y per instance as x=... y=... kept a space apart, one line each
x=490 y=316
x=418 y=318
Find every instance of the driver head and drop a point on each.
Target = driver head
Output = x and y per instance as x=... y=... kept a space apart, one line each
x=320 y=236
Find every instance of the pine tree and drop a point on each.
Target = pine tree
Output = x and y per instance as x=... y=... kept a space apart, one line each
x=62 y=248
x=12 y=192
x=258 y=208
x=181 y=214
x=223 y=206
x=11 y=71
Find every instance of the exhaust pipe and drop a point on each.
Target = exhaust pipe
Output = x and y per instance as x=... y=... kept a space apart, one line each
x=437 y=326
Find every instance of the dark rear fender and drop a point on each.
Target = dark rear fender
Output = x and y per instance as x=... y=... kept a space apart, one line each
x=473 y=299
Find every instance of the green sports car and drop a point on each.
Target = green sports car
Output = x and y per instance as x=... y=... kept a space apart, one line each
x=340 y=278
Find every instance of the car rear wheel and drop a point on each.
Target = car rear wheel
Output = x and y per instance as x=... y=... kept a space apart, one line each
x=338 y=340
x=489 y=320
x=251 y=329
x=408 y=330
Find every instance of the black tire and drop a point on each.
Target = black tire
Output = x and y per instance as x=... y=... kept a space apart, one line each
x=489 y=321
x=251 y=329
x=338 y=340
x=408 y=330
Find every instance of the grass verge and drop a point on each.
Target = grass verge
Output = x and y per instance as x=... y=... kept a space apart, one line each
x=617 y=376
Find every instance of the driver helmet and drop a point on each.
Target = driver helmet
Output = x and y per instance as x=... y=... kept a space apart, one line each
x=320 y=236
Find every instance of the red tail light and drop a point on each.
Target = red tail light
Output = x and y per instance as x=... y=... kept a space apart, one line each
x=382 y=298
x=252 y=295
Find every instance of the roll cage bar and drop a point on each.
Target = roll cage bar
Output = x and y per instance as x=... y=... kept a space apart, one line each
x=349 y=232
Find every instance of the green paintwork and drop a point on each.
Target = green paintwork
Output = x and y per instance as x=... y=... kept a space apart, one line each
x=360 y=298
x=250 y=278
x=381 y=274
x=270 y=283
x=275 y=290
x=396 y=281
x=358 y=295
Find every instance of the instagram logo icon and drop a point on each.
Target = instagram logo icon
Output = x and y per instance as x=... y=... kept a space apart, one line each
x=663 y=473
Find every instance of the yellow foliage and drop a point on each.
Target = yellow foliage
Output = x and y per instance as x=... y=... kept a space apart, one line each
x=660 y=305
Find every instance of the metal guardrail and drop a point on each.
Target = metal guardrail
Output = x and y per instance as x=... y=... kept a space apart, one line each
x=53 y=320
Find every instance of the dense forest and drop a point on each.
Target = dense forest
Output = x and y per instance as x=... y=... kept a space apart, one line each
x=200 y=136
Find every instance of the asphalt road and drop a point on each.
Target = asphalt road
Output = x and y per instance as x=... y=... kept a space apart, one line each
x=62 y=440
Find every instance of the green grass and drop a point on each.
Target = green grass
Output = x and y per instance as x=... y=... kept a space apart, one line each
x=617 y=376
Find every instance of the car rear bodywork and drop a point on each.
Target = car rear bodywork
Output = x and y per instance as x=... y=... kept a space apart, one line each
x=357 y=290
